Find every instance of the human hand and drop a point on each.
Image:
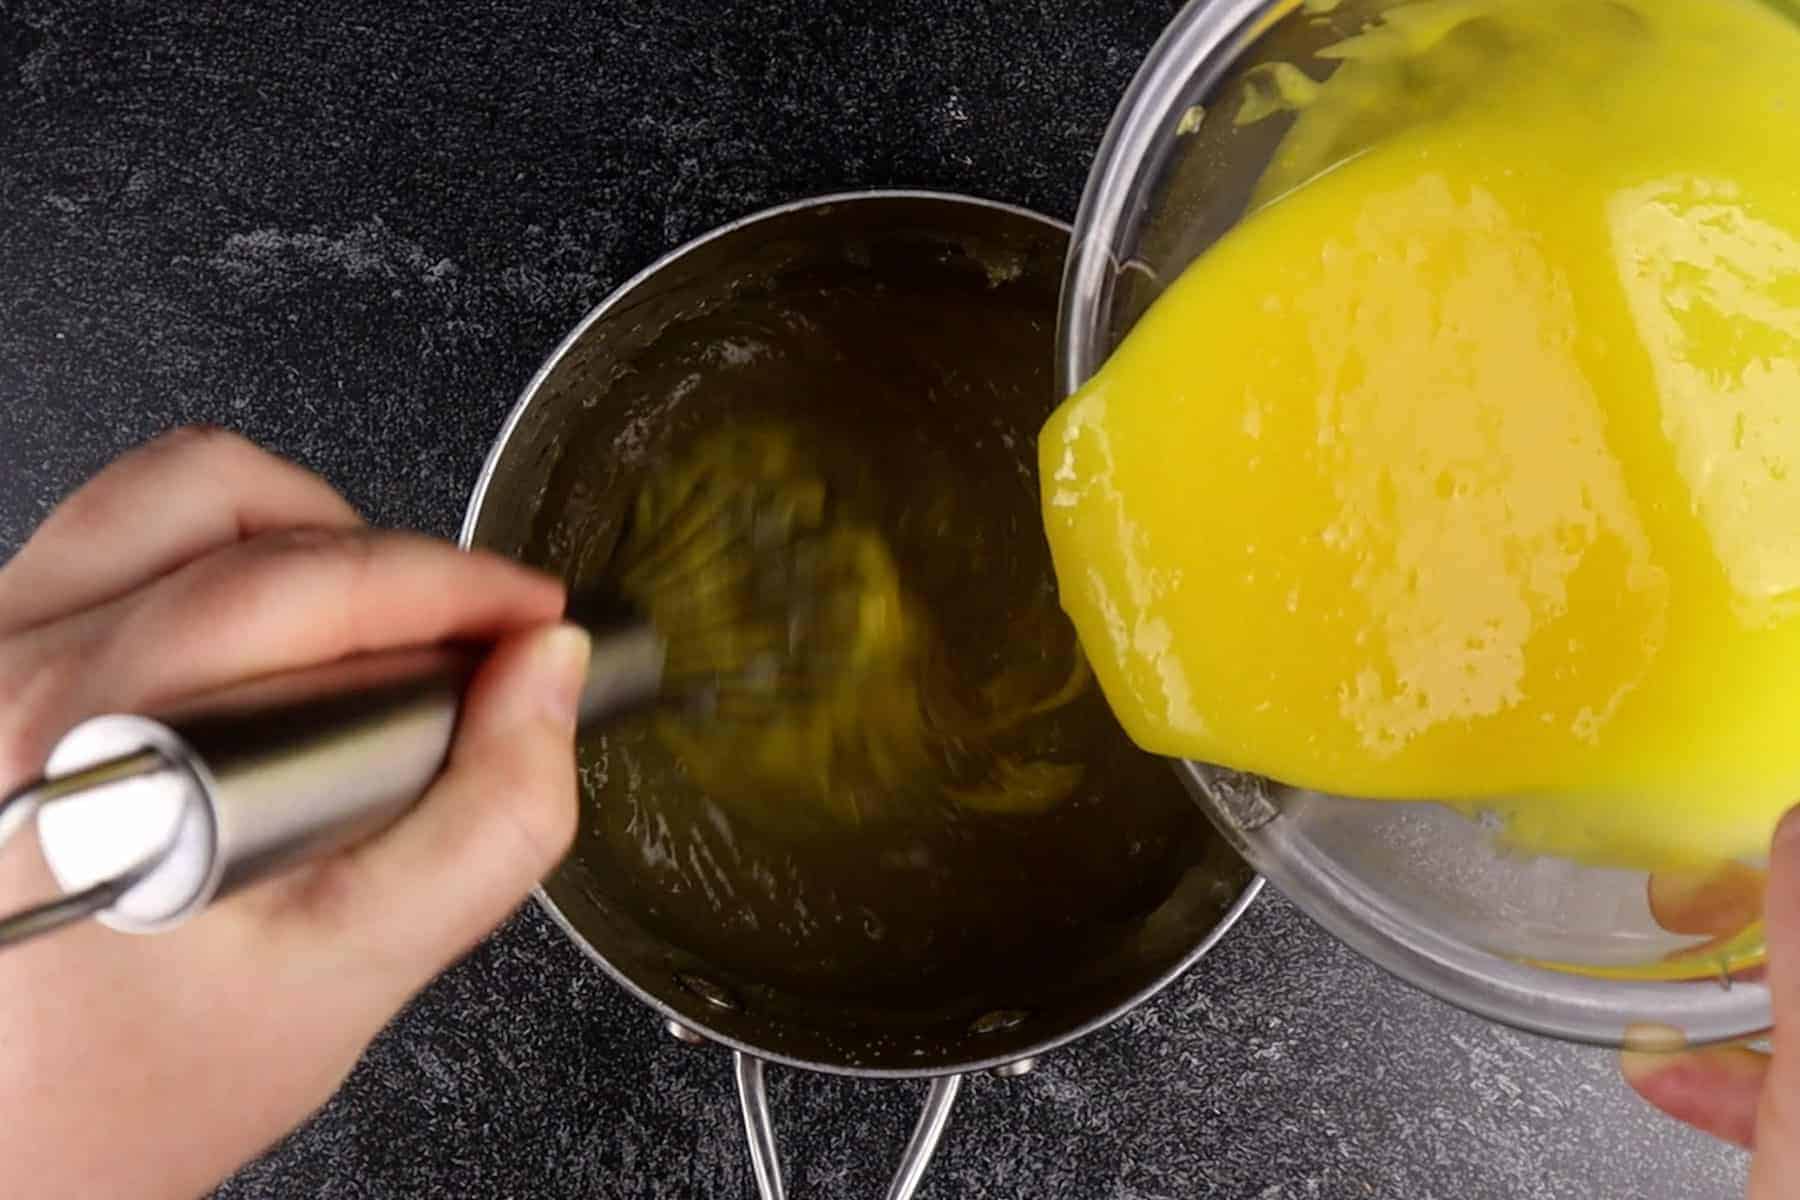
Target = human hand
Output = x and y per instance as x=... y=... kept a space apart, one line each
x=153 y=1066
x=1738 y=1094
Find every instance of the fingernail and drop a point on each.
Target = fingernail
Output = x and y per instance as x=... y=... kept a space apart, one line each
x=1648 y=1050
x=1659 y=1042
x=1640 y=1066
x=562 y=661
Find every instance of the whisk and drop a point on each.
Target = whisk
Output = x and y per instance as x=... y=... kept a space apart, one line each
x=770 y=594
x=732 y=600
x=796 y=677
x=819 y=694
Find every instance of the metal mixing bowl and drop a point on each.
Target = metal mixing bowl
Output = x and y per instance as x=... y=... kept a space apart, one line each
x=1419 y=889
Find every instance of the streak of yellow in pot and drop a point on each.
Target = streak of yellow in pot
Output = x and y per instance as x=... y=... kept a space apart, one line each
x=817 y=691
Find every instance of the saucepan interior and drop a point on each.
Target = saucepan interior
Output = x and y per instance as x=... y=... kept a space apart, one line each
x=910 y=337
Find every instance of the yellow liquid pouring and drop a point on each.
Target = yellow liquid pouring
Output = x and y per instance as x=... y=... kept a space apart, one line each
x=1467 y=468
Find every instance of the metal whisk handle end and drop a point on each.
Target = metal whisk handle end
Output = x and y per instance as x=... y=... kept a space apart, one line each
x=145 y=822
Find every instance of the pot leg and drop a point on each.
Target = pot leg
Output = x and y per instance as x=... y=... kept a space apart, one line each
x=925 y=1137
x=765 y=1161
x=759 y=1127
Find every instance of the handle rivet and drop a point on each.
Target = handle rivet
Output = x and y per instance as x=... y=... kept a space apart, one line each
x=709 y=991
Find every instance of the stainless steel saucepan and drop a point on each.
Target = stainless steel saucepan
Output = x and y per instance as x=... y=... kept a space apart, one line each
x=912 y=333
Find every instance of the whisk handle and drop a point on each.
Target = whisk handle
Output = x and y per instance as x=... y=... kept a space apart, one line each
x=279 y=771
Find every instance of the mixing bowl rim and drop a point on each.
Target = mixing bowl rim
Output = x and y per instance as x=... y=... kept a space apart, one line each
x=1194 y=53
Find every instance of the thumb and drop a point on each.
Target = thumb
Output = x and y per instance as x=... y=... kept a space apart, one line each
x=1777 y=1162
x=413 y=900
x=1716 y=1089
x=1736 y=1094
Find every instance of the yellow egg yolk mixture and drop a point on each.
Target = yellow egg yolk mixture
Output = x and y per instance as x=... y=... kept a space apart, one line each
x=1467 y=467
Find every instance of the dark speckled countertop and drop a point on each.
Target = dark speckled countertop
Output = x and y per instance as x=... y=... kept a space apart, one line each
x=351 y=230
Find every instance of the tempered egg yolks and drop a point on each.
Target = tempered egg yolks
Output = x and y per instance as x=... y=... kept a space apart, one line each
x=1469 y=469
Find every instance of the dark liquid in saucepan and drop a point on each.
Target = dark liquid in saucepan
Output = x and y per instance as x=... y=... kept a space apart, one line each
x=921 y=402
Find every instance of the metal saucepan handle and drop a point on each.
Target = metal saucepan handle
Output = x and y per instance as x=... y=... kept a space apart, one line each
x=753 y=1095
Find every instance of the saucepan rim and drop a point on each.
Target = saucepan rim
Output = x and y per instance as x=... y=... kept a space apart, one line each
x=466 y=539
